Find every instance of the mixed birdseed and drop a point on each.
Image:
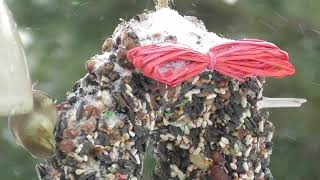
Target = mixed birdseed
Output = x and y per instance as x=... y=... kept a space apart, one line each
x=208 y=127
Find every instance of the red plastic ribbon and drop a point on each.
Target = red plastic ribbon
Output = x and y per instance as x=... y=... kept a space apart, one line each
x=237 y=59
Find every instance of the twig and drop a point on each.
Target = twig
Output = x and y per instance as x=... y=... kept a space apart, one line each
x=162 y=4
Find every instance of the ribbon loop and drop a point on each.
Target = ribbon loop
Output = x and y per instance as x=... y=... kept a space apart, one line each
x=236 y=59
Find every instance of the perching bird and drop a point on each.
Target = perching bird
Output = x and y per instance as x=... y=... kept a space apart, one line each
x=34 y=131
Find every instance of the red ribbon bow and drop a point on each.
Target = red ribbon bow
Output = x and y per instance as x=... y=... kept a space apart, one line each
x=237 y=59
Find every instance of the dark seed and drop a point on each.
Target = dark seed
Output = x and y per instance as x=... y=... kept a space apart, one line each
x=113 y=76
x=80 y=111
x=137 y=17
x=87 y=148
x=76 y=86
x=70 y=161
x=103 y=139
x=104 y=158
x=41 y=171
x=62 y=125
x=89 y=175
x=140 y=131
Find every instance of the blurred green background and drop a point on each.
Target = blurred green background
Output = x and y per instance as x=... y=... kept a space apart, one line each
x=59 y=36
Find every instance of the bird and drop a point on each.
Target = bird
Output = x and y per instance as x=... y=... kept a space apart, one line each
x=34 y=130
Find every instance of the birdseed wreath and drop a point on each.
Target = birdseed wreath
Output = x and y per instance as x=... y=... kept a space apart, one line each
x=164 y=81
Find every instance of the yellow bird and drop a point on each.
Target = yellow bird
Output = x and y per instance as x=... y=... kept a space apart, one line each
x=34 y=131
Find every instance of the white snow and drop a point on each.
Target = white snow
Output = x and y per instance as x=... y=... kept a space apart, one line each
x=189 y=31
x=107 y=99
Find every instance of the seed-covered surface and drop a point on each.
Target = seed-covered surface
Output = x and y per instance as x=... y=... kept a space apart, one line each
x=208 y=127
